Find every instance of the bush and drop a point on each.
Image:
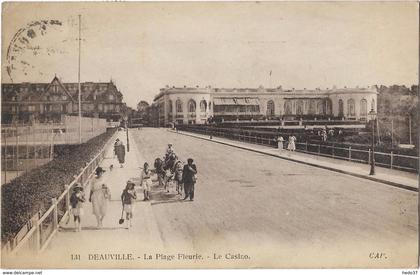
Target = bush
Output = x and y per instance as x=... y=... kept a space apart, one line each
x=24 y=196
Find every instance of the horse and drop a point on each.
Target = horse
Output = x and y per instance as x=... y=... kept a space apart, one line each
x=165 y=170
x=158 y=164
x=178 y=167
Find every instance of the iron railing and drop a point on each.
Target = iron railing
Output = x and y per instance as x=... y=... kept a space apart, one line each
x=345 y=152
x=38 y=232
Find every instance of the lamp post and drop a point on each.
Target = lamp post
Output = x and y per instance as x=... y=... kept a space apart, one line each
x=126 y=131
x=372 y=116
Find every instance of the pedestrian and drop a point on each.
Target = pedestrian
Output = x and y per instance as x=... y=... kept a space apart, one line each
x=291 y=146
x=127 y=199
x=120 y=152
x=280 y=143
x=99 y=196
x=77 y=199
x=146 y=181
x=189 y=178
x=116 y=144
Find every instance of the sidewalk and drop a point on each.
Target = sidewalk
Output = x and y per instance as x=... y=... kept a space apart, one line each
x=394 y=178
x=141 y=237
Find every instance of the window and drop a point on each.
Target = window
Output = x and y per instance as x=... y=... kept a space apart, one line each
x=203 y=106
x=340 y=108
x=111 y=97
x=170 y=106
x=270 y=108
x=350 y=107
x=178 y=104
x=287 y=107
x=320 y=110
x=372 y=105
x=299 y=107
x=328 y=106
x=363 y=107
x=191 y=106
x=31 y=108
x=312 y=106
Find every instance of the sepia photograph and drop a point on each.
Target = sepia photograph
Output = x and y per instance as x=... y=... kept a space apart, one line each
x=197 y=135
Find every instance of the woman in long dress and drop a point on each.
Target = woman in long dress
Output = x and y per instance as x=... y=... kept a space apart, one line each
x=119 y=149
x=99 y=196
x=291 y=146
x=280 y=143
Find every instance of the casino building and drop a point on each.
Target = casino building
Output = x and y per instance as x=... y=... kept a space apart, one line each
x=196 y=105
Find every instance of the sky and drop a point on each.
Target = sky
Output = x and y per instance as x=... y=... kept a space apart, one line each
x=145 y=46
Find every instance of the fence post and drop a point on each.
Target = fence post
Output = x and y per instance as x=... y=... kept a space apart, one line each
x=67 y=197
x=392 y=158
x=55 y=212
x=38 y=236
x=370 y=156
x=306 y=146
x=349 y=153
x=319 y=149
x=333 y=150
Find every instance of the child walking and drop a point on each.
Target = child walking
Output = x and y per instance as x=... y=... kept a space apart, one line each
x=146 y=181
x=127 y=198
x=77 y=199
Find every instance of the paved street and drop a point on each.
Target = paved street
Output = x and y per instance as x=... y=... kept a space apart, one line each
x=249 y=202
x=271 y=211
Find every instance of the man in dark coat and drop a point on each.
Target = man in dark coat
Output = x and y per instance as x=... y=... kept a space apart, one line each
x=120 y=152
x=188 y=178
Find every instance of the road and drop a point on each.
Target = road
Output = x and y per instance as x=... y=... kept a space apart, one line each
x=262 y=210
x=269 y=208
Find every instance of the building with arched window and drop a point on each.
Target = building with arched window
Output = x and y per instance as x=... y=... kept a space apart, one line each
x=261 y=104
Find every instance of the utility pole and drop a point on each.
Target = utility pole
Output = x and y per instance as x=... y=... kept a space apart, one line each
x=78 y=80
x=409 y=126
x=392 y=132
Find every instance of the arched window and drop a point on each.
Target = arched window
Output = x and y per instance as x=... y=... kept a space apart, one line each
x=299 y=107
x=372 y=105
x=209 y=105
x=191 y=106
x=169 y=106
x=350 y=107
x=312 y=106
x=328 y=106
x=270 y=108
x=363 y=107
x=203 y=106
x=320 y=110
x=340 y=108
x=178 y=104
x=287 y=107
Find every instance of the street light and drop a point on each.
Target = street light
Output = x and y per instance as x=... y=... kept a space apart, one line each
x=126 y=131
x=372 y=116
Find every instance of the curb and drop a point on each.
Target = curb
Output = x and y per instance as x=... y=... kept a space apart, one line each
x=387 y=182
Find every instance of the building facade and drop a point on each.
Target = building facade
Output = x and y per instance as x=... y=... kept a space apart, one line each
x=43 y=102
x=197 y=105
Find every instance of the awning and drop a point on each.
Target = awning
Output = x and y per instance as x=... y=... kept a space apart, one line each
x=236 y=101
x=223 y=101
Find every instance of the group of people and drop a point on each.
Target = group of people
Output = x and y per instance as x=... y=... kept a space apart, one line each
x=186 y=175
x=291 y=145
x=100 y=194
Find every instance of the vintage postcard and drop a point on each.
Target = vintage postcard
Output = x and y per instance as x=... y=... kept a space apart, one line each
x=209 y=135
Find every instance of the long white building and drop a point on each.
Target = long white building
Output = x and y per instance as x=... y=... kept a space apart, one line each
x=196 y=105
